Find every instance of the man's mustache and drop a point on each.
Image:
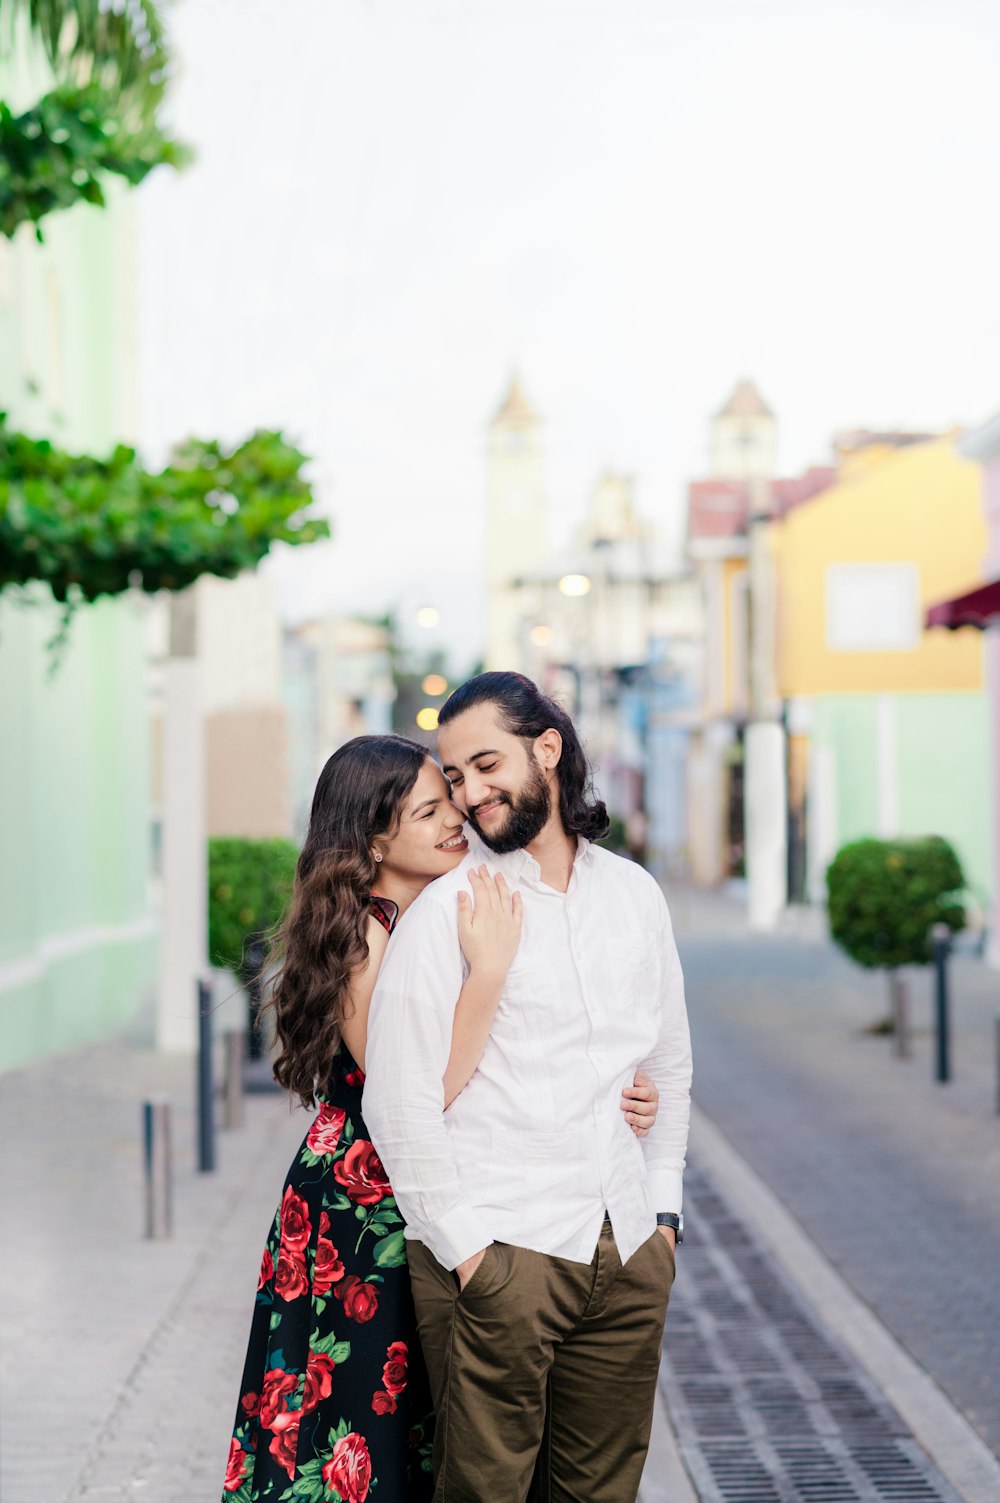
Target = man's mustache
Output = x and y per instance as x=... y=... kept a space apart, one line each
x=498 y=798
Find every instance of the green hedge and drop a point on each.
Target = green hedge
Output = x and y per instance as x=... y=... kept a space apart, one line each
x=884 y=896
x=249 y=884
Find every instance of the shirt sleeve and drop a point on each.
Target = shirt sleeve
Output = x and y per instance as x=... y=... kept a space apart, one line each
x=409 y=1042
x=669 y=1067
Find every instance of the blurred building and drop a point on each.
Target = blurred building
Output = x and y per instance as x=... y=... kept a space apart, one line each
x=721 y=508
x=887 y=722
x=337 y=682
x=607 y=627
x=78 y=933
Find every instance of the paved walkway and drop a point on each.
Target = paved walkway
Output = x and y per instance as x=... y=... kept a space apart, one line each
x=120 y=1358
x=895 y=1177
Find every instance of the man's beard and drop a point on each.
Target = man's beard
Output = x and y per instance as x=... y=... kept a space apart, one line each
x=527 y=817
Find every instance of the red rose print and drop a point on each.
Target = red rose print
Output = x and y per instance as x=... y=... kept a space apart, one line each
x=285 y=1442
x=355 y=1077
x=251 y=1404
x=361 y=1174
x=327 y=1268
x=324 y=1135
x=236 y=1467
x=266 y=1268
x=290 y=1275
x=319 y=1380
x=277 y=1383
x=324 y=1223
x=295 y=1223
x=394 y=1371
x=383 y=1403
x=349 y=1469
x=360 y=1300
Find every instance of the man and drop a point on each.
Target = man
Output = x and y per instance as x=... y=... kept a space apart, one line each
x=541 y=1231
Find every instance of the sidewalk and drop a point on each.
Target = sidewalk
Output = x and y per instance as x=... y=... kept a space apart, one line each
x=121 y=1358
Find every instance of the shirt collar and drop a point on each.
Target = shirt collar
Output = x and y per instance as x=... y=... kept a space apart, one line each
x=521 y=864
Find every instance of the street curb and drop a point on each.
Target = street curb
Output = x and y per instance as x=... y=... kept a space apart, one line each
x=947 y=1437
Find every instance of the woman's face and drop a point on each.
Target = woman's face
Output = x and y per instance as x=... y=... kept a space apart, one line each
x=430 y=840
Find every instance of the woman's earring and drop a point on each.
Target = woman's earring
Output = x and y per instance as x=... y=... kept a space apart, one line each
x=377 y=855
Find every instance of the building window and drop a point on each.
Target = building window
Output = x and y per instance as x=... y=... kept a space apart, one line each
x=872 y=607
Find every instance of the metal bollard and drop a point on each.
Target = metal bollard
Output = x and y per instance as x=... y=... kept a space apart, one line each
x=206 y=1117
x=236 y=1054
x=900 y=1014
x=255 y=956
x=157 y=1166
x=941 y=946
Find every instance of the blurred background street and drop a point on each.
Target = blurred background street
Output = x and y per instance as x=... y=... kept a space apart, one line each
x=648 y=349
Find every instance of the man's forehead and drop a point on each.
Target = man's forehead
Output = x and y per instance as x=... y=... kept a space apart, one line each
x=474 y=733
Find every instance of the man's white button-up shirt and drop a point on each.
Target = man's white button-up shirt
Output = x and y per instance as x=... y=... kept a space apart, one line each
x=536 y=1147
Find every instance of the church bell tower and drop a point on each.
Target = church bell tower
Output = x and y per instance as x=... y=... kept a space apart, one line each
x=516 y=524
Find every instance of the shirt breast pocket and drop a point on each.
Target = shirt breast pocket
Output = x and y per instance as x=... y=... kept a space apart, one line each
x=531 y=1003
x=635 y=976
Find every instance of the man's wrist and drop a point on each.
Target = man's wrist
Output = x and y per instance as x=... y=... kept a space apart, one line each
x=673 y=1220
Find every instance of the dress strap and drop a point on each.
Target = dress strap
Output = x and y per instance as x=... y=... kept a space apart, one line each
x=386 y=911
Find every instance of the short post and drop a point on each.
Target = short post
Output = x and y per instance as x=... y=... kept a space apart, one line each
x=998 y=1061
x=940 y=948
x=900 y=1015
x=157 y=1167
x=235 y=1059
x=254 y=966
x=206 y=1119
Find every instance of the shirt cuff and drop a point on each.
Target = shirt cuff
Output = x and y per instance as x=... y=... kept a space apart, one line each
x=455 y=1236
x=666 y=1189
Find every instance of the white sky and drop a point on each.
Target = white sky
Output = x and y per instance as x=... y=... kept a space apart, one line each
x=633 y=201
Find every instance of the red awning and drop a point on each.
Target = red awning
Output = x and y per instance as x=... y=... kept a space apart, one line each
x=979 y=608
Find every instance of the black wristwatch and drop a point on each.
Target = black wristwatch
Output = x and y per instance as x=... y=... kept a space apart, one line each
x=674 y=1219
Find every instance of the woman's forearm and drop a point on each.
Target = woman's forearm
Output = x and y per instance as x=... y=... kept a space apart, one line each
x=477 y=1005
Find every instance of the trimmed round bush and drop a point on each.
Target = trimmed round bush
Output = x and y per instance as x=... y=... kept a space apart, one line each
x=885 y=895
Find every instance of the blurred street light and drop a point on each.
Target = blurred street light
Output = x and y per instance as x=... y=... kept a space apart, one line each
x=574 y=584
x=435 y=685
x=541 y=636
x=428 y=616
x=427 y=718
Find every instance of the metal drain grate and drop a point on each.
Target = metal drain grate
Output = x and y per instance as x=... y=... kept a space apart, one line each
x=767 y=1406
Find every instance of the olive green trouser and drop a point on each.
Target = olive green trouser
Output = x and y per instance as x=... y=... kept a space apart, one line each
x=541 y=1359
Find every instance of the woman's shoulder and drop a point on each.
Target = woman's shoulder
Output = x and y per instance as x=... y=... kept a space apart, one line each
x=384 y=911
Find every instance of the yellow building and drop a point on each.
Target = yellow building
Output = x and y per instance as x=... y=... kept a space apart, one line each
x=883 y=716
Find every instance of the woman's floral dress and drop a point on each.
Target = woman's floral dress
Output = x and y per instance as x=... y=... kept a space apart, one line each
x=335 y=1402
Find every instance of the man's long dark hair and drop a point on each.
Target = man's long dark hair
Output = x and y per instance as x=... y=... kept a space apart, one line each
x=526 y=712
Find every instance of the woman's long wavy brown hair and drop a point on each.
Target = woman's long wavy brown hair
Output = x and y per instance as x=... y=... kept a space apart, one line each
x=359 y=797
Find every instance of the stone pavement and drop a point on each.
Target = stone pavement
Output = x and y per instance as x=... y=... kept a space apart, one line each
x=896 y=1178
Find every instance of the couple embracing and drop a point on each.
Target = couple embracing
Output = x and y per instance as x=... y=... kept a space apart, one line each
x=463 y=1294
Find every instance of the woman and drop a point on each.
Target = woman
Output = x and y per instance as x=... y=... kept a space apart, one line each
x=334 y=1397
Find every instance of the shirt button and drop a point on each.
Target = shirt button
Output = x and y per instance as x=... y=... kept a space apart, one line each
x=599 y=1109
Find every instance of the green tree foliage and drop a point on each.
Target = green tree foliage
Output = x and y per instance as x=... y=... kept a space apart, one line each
x=884 y=896
x=89 y=527
x=110 y=68
x=249 y=884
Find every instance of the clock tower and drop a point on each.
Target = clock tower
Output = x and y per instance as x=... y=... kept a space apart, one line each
x=516 y=522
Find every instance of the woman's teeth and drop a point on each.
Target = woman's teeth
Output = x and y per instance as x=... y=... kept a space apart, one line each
x=449 y=845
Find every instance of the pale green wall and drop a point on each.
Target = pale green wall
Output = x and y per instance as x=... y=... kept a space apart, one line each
x=942 y=771
x=78 y=943
x=943 y=747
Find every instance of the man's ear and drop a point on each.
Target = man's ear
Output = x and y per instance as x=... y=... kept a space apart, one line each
x=548 y=749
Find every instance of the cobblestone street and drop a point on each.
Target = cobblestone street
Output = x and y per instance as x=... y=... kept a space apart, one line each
x=894 y=1176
